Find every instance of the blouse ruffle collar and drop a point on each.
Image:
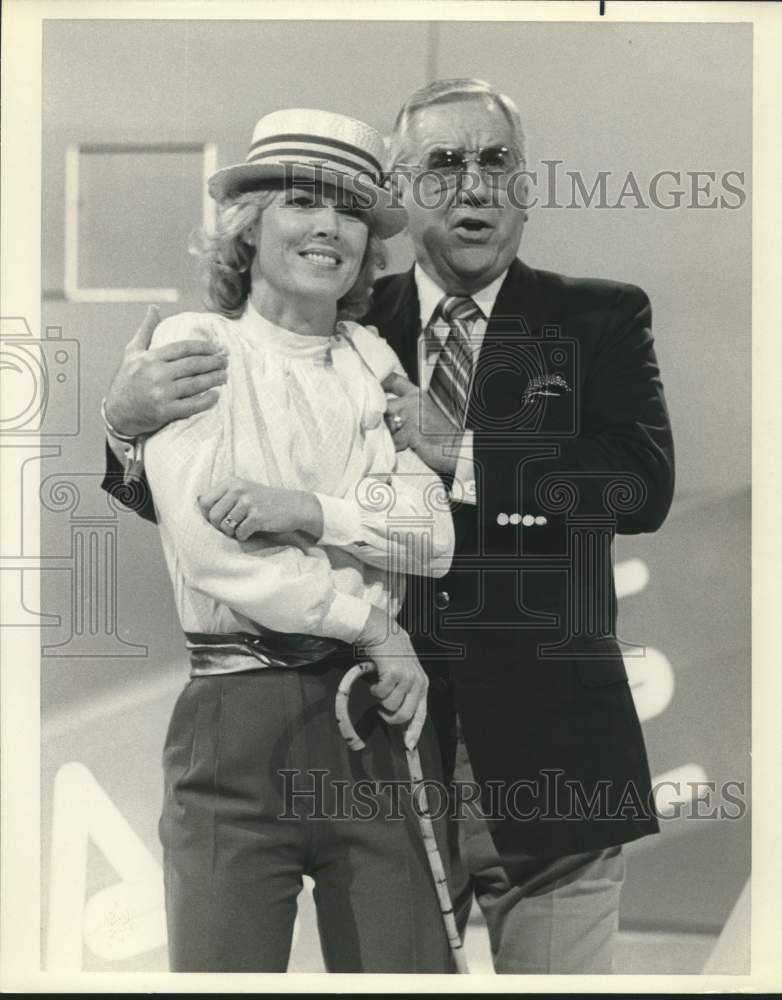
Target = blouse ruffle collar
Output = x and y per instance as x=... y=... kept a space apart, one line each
x=277 y=339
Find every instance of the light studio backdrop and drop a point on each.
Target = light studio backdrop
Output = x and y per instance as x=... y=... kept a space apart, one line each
x=135 y=115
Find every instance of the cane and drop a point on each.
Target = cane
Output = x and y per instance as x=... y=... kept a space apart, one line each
x=420 y=800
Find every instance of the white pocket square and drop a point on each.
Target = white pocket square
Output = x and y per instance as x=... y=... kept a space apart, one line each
x=544 y=385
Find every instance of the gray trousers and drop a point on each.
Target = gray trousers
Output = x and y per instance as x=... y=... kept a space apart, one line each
x=260 y=789
x=544 y=914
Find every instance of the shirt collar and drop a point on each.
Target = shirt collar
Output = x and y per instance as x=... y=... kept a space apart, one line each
x=430 y=294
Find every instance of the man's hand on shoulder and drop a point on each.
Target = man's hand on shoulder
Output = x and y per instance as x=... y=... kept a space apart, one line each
x=154 y=386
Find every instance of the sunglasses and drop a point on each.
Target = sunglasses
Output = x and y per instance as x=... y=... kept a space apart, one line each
x=495 y=161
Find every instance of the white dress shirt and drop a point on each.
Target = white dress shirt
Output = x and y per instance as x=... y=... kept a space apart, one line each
x=430 y=295
x=306 y=413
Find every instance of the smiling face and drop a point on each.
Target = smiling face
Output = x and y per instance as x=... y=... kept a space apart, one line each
x=309 y=249
x=465 y=235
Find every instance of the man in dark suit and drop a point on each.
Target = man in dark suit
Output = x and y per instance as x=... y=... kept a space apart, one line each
x=537 y=397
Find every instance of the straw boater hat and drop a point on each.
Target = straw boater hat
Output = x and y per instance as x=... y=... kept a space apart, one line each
x=304 y=144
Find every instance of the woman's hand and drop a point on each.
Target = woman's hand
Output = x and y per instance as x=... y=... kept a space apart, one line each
x=402 y=684
x=240 y=508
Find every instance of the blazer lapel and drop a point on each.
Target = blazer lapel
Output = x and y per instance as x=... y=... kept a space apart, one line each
x=500 y=375
x=519 y=299
x=402 y=320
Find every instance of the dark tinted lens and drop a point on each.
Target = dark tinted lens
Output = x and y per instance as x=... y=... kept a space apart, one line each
x=496 y=159
x=446 y=161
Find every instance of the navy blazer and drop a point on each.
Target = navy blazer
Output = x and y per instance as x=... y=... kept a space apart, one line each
x=570 y=425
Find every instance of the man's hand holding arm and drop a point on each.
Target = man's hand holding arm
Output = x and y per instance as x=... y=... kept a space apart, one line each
x=431 y=435
x=417 y=422
x=149 y=390
x=153 y=387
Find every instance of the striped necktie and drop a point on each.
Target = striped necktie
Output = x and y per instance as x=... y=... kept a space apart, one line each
x=452 y=375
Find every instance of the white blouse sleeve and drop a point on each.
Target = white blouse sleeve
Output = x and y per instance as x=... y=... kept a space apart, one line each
x=287 y=588
x=398 y=517
x=399 y=521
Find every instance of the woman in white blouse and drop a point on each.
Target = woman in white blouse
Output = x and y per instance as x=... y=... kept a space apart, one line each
x=288 y=522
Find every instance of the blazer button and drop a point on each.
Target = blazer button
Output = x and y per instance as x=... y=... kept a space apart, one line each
x=515 y=518
x=528 y=520
x=442 y=600
x=502 y=520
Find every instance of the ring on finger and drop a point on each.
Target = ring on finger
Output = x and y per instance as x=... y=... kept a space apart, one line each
x=396 y=420
x=229 y=522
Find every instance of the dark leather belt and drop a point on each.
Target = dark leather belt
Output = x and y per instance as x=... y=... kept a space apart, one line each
x=212 y=653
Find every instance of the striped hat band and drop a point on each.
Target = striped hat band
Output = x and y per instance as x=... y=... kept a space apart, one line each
x=314 y=150
x=309 y=145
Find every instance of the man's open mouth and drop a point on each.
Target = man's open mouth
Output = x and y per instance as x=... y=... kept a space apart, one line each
x=472 y=225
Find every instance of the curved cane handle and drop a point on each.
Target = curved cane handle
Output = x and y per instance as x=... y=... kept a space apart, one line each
x=345 y=726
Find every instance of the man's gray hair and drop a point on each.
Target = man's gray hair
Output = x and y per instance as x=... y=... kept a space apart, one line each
x=443 y=92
